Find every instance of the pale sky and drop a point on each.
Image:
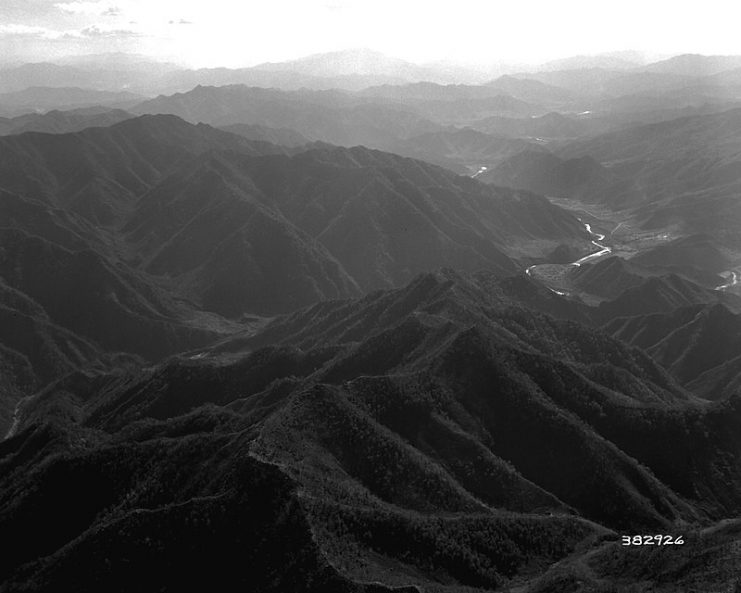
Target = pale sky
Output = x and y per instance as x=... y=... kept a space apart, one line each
x=241 y=33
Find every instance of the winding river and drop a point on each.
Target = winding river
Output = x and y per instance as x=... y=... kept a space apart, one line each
x=602 y=250
x=735 y=278
x=16 y=418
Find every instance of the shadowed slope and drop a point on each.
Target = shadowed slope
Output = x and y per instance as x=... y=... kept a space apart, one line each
x=270 y=234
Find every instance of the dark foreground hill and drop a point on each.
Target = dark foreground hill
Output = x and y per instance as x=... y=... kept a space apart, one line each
x=69 y=296
x=436 y=437
x=662 y=294
x=67 y=300
x=682 y=272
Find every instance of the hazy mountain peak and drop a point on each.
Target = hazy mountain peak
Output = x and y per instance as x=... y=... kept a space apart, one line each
x=364 y=62
x=116 y=59
x=695 y=65
x=606 y=61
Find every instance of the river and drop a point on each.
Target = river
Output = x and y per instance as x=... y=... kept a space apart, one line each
x=735 y=279
x=602 y=250
x=16 y=418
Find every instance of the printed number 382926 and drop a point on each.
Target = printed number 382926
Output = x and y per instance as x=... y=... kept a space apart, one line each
x=652 y=540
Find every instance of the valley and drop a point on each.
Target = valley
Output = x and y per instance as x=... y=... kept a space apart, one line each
x=624 y=244
x=619 y=236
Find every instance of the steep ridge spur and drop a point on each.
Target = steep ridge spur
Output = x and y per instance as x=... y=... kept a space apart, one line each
x=700 y=345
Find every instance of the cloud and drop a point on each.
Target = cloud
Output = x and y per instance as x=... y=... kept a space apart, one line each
x=30 y=10
x=417 y=30
x=18 y=30
x=84 y=7
x=95 y=32
x=93 y=8
x=44 y=33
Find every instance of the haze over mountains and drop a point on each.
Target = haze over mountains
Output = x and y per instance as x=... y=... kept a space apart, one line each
x=349 y=323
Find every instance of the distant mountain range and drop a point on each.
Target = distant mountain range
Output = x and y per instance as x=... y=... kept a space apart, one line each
x=281 y=136
x=457 y=149
x=329 y=116
x=695 y=65
x=362 y=62
x=351 y=69
x=44 y=98
x=627 y=60
x=63 y=122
